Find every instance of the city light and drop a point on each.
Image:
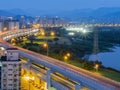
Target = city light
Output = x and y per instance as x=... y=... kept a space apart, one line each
x=15 y=27
x=71 y=33
x=45 y=45
x=5 y=28
x=68 y=54
x=96 y=67
x=52 y=33
x=65 y=57
x=27 y=78
x=43 y=33
x=84 y=31
x=72 y=30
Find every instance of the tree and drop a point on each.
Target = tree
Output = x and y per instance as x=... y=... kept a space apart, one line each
x=56 y=39
x=31 y=38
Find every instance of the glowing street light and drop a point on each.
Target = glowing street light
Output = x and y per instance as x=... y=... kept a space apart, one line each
x=43 y=33
x=84 y=31
x=45 y=45
x=5 y=29
x=68 y=54
x=96 y=67
x=52 y=33
x=65 y=57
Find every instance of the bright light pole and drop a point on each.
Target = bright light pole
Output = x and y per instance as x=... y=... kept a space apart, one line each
x=96 y=67
x=67 y=56
x=45 y=45
x=5 y=29
x=52 y=33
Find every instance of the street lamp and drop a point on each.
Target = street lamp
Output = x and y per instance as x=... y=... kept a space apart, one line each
x=65 y=57
x=68 y=54
x=43 y=33
x=52 y=33
x=96 y=67
x=45 y=45
x=5 y=29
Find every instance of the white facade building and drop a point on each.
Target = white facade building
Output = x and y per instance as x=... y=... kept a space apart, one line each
x=1 y=26
x=10 y=70
x=13 y=25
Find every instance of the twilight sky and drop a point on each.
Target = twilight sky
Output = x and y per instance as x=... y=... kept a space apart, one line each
x=57 y=4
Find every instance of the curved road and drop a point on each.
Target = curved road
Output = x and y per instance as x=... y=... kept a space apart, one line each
x=101 y=79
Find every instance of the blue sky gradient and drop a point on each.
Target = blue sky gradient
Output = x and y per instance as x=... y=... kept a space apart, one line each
x=57 y=4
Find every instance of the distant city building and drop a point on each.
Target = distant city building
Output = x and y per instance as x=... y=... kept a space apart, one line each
x=2 y=18
x=11 y=25
x=37 y=19
x=22 y=22
x=10 y=70
x=52 y=22
x=1 y=26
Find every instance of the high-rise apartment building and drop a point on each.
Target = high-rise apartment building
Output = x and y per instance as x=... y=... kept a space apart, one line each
x=10 y=72
x=1 y=26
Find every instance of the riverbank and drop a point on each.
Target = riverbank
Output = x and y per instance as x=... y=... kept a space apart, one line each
x=110 y=59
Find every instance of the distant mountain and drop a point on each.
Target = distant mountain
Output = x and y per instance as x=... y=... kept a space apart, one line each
x=79 y=14
x=115 y=14
x=76 y=13
x=19 y=12
x=5 y=13
x=104 y=11
x=91 y=12
x=18 y=17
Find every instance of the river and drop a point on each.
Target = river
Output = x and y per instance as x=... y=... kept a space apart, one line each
x=110 y=59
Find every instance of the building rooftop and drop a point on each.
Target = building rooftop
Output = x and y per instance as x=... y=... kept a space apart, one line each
x=11 y=49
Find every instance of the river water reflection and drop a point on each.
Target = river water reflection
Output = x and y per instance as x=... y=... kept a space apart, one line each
x=110 y=59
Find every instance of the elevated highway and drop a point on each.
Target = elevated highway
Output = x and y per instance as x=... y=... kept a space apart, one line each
x=81 y=76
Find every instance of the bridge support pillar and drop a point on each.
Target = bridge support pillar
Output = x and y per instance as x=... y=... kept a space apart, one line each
x=28 y=64
x=77 y=87
x=48 y=79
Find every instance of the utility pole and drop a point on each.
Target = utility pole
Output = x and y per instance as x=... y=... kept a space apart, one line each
x=95 y=48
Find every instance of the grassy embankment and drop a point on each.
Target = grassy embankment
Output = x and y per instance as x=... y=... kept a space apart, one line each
x=104 y=72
